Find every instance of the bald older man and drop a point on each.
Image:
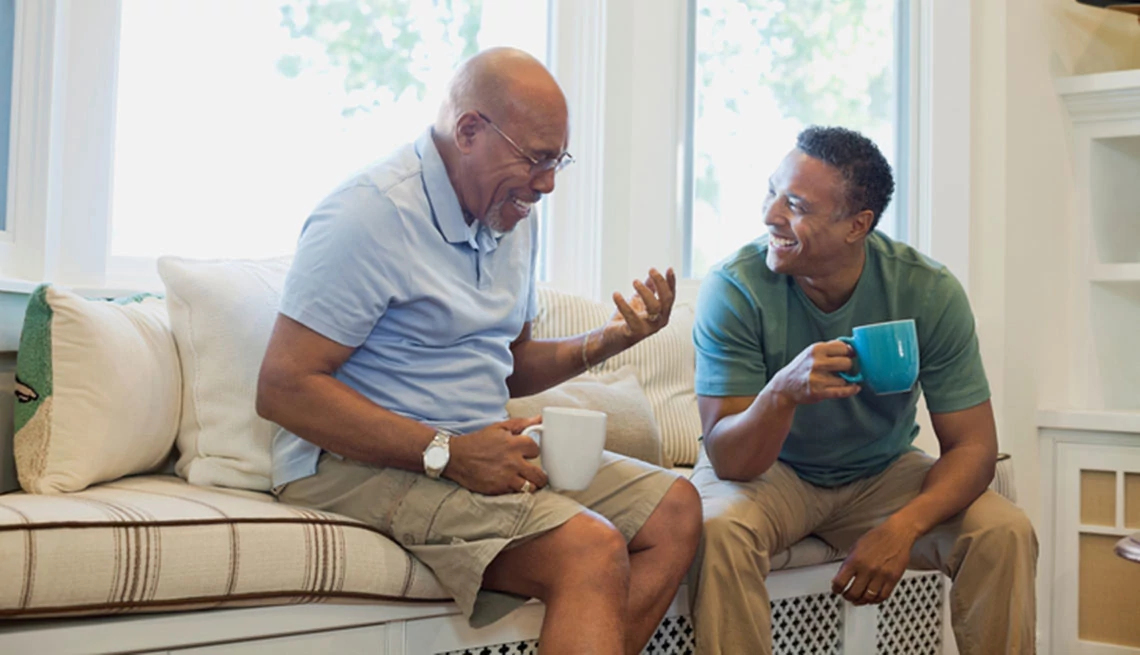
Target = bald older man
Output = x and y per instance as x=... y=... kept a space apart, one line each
x=404 y=327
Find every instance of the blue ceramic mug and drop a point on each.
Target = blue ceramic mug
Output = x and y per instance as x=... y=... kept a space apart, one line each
x=886 y=356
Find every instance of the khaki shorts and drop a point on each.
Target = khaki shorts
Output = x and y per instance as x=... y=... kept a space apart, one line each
x=457 y=533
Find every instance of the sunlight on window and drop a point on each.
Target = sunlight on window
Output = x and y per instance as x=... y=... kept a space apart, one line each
x=764 y=71
x=235 y=118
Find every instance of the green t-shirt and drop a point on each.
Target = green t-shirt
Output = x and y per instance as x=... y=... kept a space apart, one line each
x=752 y=322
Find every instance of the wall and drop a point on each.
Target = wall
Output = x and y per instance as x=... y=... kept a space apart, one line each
x=1023 y=187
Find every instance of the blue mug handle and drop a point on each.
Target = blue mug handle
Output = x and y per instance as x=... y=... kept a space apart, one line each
x=857 y=377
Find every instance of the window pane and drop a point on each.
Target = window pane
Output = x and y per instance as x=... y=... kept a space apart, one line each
x=236 y=118
x=7 y=43
x=765 y=70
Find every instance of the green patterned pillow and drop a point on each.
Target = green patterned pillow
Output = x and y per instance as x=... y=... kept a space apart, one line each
x=98 y=390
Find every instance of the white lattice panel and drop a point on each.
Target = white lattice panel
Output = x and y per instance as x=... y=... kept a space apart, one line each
x=529 y=647
x=807 y=625
x=673 y=637
x=910 y=622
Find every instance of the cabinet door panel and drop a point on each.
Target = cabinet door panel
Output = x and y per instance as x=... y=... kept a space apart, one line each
x=1095 y=589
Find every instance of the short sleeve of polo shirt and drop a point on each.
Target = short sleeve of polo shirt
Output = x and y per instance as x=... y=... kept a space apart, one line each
x=950 y=364
x=344 y=272
x=727 y=336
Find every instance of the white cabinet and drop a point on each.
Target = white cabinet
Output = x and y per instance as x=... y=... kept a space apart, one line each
x=1090 y=447
x=1096 y=501
x=1104 y=297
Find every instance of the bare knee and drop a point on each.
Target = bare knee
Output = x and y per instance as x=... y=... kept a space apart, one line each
x=675 y=522
x=588 y=550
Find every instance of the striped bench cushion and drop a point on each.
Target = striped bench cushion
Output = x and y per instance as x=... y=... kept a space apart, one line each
x=156 y=543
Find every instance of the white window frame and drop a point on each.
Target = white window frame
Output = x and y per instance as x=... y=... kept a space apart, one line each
x=618 y=212
x=636 y=191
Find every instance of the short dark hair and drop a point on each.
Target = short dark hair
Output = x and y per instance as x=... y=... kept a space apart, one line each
x=864 y=169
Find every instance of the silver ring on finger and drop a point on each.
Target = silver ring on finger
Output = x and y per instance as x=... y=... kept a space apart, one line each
x=527 y=487
x=870 y=593
x=653 y=318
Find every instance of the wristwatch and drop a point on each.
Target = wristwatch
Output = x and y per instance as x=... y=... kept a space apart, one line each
x=437 y=454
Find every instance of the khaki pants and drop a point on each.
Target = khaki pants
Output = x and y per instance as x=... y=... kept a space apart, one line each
x=989 y=550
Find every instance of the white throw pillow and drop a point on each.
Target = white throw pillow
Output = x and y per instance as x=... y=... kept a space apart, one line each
x=222 y=313
x=631 y=428
x=97 y=390
x=665 y=365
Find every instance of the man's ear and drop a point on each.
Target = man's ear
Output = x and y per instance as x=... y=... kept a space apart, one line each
x=861 y=225
x=468 y=125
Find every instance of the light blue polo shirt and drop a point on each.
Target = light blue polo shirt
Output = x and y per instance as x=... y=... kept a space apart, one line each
x=387 y=264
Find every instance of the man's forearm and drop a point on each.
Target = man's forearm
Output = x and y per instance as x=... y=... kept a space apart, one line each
x=543 y=363
x=957 y=479
x=745 y=445
x=325 y=411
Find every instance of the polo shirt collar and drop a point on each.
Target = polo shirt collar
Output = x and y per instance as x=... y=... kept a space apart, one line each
x=441 y=195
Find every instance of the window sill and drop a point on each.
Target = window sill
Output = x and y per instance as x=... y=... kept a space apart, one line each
x=112 y=290
x=14 y=285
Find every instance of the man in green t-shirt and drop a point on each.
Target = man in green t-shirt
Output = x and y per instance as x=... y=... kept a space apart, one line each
x=791 y=449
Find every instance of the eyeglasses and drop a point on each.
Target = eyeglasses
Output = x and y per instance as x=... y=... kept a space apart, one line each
x=537 y=165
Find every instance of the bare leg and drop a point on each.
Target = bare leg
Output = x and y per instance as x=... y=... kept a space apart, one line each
x=659 y=557
x=581 y=572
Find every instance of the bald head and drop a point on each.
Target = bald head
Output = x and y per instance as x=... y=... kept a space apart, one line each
x=501 y=132
x=505 y=83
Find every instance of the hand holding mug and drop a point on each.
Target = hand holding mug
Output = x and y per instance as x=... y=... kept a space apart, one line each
x=496 y=460
x=813 y=375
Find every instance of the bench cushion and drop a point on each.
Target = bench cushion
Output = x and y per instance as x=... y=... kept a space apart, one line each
x=156 y=543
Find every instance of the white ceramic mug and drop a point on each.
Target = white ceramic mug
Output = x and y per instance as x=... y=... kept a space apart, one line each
x=571 y=442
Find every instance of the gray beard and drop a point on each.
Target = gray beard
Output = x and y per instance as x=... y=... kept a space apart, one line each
x=494 y=218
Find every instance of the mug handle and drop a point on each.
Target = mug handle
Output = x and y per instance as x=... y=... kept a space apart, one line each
x=852 y=378
x=534 y=432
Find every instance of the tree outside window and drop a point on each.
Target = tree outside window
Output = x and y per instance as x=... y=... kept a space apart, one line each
x=765 y=69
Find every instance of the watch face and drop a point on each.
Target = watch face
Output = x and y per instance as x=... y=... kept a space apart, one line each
x=435 y=458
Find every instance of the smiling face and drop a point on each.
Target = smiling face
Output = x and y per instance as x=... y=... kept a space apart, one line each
x=501 y=181
x=810 y=233
x=504 y=111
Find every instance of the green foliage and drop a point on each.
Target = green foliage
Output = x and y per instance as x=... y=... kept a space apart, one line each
x=806 y=49
x=379 y=44
x=799 y=52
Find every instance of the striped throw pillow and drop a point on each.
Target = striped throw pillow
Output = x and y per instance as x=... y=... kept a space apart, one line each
x=664 y=365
